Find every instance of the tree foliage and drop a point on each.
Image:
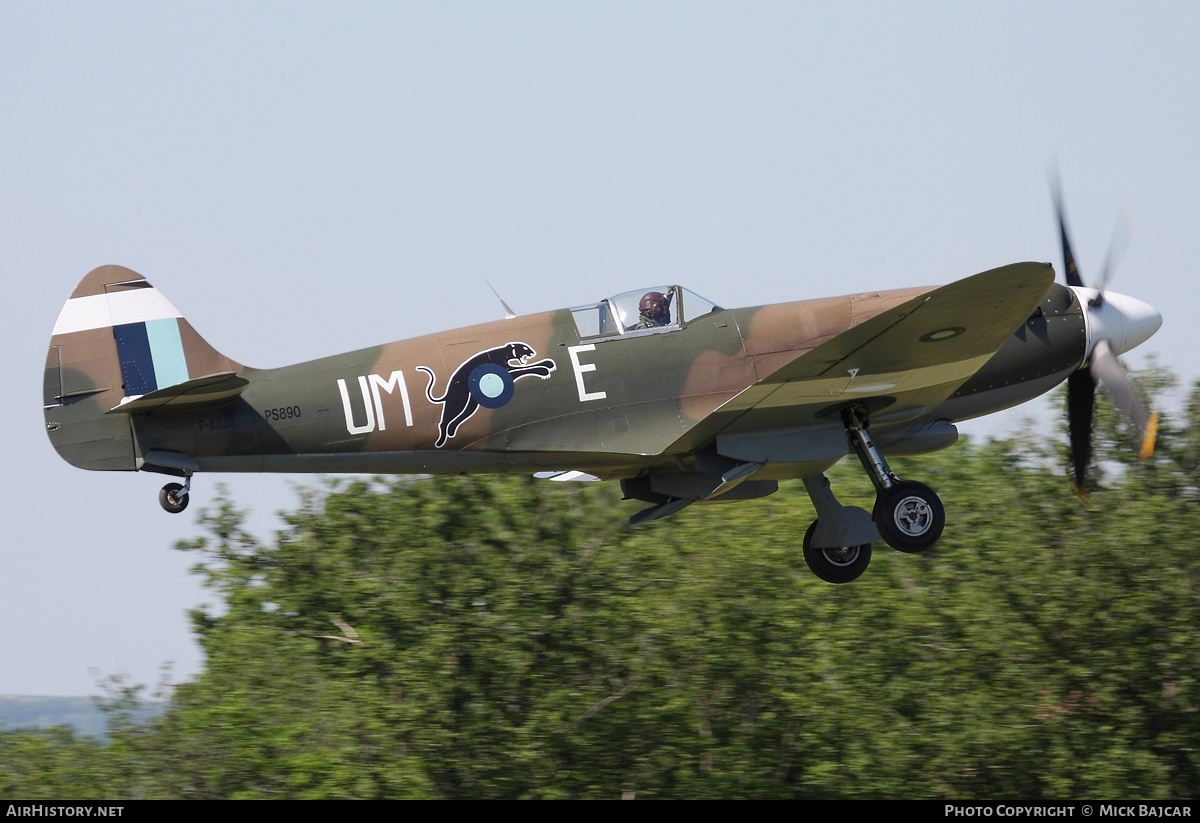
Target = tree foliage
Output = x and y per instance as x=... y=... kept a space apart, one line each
x=503 y=637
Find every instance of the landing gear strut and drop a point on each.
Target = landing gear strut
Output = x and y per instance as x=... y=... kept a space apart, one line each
x=174 y=497
x=909 y=515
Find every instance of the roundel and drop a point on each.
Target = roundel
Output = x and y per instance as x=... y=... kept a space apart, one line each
x=490 y=385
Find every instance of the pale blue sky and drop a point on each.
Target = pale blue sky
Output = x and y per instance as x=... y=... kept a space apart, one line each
x=302 y=179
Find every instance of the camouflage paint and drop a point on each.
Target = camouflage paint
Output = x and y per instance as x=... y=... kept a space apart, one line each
x=611 y=406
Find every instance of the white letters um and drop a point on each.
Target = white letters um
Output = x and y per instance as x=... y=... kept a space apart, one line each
x=369 y=385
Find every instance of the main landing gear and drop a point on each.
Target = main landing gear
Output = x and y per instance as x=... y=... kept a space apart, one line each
x=908 y=516
x=174 y=497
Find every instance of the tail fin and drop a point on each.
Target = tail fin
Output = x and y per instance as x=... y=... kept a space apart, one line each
x=116 y=339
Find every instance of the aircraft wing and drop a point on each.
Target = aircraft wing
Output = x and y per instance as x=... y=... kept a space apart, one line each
x=907 y=359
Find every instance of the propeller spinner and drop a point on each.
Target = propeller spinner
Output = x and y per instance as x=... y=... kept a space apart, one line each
x=1115 y=323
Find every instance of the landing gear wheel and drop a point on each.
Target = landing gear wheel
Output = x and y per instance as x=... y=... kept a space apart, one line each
x=171 y=499
x=909 y=516
x=840 y=565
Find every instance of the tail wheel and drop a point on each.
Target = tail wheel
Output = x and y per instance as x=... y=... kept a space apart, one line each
x=835 y=565
x=909 y=516
x=173 y=498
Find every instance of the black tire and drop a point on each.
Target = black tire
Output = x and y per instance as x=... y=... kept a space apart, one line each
x=836 y=565
x=169 y=498
x=909 y=516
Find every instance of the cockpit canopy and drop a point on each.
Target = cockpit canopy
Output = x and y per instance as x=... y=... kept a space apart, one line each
x=623 y=314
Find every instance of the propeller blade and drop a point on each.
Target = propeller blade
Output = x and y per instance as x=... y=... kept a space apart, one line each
x=1119 y=388
x=1122 y=236
x=1081 y=402
x=1070 y=270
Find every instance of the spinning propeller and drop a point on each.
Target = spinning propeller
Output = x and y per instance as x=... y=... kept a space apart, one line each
x=1115 y=324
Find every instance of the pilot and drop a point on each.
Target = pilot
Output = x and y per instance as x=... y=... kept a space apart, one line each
x=654 y=310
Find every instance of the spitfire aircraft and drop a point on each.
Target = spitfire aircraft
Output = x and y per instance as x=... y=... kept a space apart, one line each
x=679 y=399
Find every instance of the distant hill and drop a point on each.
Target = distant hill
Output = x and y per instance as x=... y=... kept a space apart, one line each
x=19 y=712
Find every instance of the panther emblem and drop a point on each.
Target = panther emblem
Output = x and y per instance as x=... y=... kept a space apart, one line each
x=486 y=379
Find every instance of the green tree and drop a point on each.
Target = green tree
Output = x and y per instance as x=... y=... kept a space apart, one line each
x=51 y=764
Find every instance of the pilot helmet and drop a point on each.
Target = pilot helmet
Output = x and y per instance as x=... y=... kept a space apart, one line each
x=654 y=306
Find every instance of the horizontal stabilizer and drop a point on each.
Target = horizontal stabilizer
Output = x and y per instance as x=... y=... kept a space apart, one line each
x=210 y=390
